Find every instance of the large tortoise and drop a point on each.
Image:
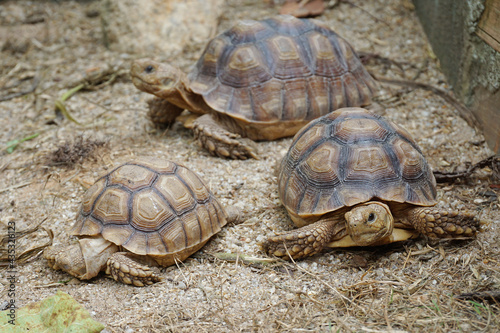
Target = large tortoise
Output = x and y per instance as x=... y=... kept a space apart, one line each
x=260 y=80
x=352 y=178
x=149 y=212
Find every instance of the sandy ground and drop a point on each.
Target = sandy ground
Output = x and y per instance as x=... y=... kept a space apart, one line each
x=409 y=286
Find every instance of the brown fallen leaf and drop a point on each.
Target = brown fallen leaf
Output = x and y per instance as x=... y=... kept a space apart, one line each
x=303 y=8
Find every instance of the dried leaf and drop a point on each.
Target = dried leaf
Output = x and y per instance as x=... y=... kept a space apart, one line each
x=9 y=233
x=243 y=258
x=303 y=8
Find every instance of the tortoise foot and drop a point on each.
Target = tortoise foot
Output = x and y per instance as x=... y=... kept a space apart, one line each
x=300 y=243
x=162 y=113
x=129 y=271
x=437 y=223
x=220 y=142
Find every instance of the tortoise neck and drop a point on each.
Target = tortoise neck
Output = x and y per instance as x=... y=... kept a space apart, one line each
x=401 y=212
x=185 y=98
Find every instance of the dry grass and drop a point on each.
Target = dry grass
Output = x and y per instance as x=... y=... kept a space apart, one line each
x=231 y=286
x=69 y=153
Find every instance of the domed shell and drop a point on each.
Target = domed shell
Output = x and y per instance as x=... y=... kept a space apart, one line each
x=348 y=157
x=150 y=207
x=280 y=69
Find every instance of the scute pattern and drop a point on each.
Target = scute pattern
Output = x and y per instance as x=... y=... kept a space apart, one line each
x=150 y=208
x=131 y=177
x=257 y=71
x=352 y=156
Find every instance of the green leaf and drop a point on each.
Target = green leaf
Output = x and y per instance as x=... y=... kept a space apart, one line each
x=59 y=104
x=71 y=92
x=58 y=313
x=11 y=145
x=478 y=306
x=62 y=108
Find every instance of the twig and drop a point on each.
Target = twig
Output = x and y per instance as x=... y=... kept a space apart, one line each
x=365 y=57
x=464 y=112
x=349 y=301
x=5 y=189
x=386 y=311
x=244 y=258
x=491 y=295
x=493 y=162
x=177 y=261
x=34 y=253
x=31 y=89
x=28 y=254
x=365 y=11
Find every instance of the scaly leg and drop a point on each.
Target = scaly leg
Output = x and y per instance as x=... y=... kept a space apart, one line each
x=220 y=142
x=437 y=223
x=162 y=113
x=124 y=268
x=302 y=242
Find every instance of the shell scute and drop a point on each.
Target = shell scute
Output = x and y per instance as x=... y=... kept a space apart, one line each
x=112 y=206
x=131 y=177
x=91 y=196
x=289 y=59
x=150 y=211
x=176 y=194
x=118 y=235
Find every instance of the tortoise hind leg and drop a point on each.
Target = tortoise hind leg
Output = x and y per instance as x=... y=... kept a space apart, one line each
x=302 y=242
x=220 y=142
x=124 y=268
x=437 y=223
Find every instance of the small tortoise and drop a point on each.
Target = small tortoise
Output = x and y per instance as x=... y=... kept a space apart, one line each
x=260 y=80
x=149 y=212
x=352 y=178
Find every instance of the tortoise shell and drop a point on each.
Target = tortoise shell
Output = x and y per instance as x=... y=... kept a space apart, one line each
x=150 y=207
x=280 y=69
x=348 y=157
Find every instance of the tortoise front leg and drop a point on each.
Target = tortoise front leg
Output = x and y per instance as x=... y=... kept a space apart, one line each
x=162 y=113
x=303 y=242
x=437 y=223
x=123 y=267
x=220 y=142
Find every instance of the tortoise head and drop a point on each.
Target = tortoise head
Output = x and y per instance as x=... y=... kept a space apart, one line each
x=369 y=222
x=159 y=79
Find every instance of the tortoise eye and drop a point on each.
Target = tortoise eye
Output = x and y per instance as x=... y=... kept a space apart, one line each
x=149 y=69
x=371 y=217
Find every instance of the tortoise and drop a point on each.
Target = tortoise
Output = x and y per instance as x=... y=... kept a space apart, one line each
x=147 y=212
x=353 y=178
x=259 y=80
